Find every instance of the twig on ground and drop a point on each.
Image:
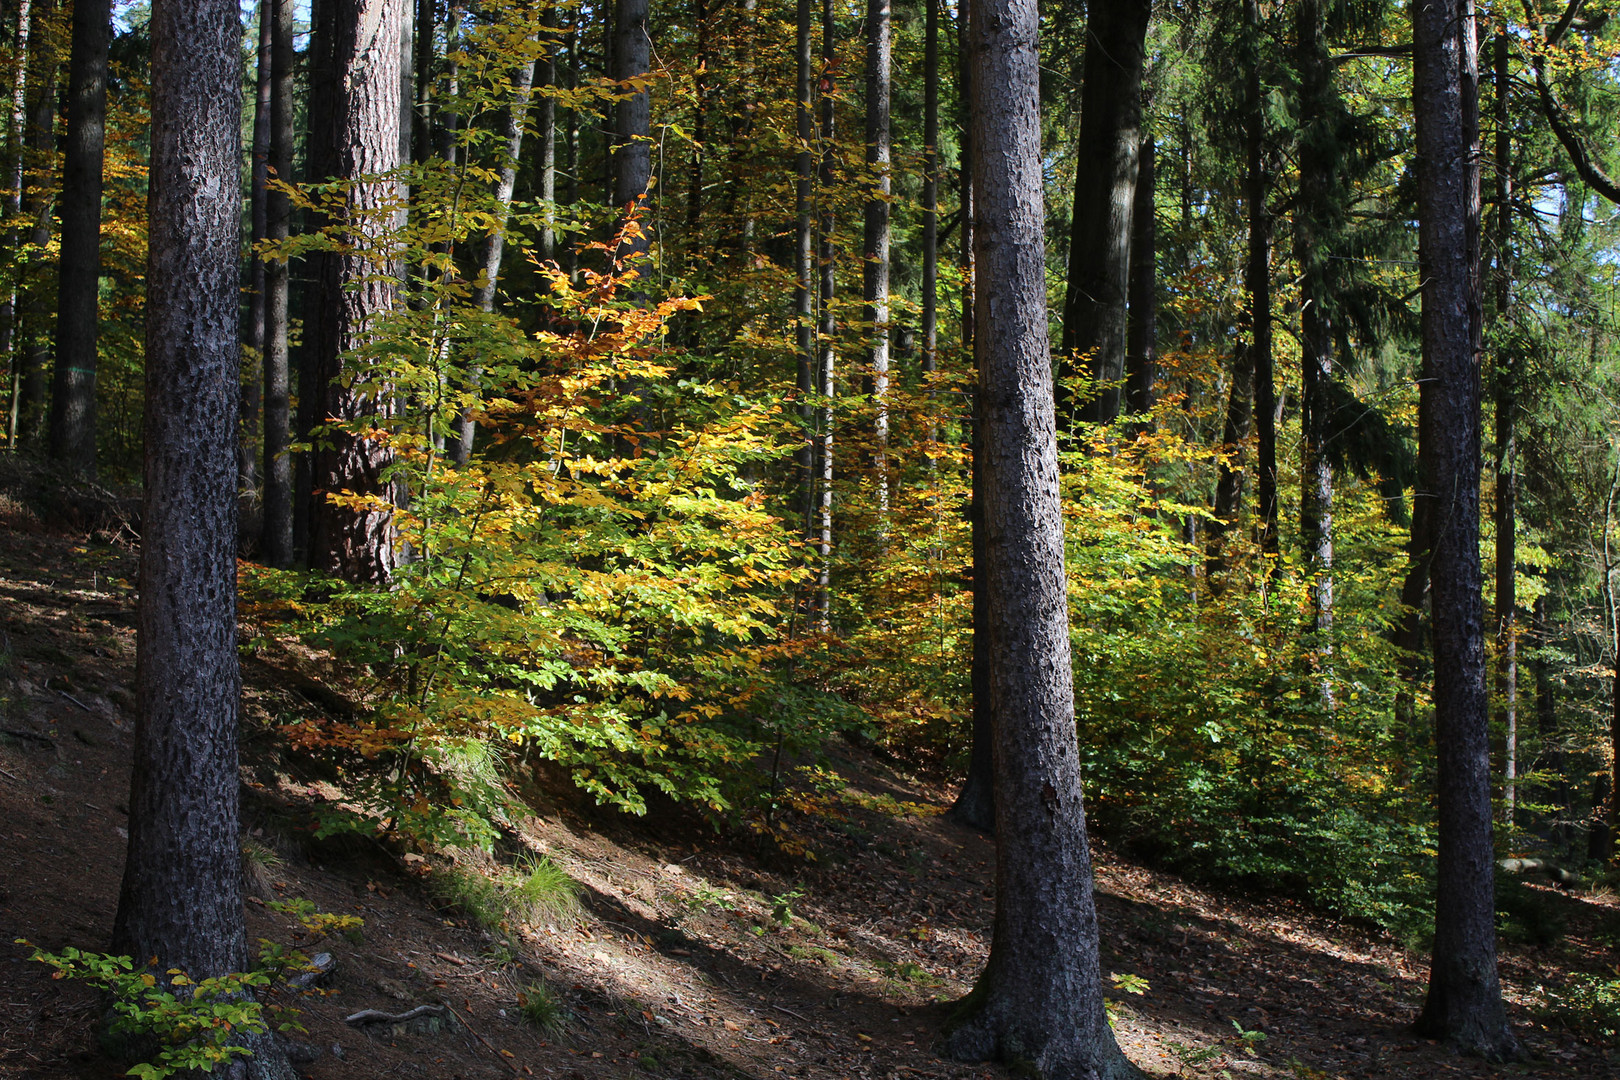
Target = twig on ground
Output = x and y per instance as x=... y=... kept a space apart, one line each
x=483 y=1040
x=75 y=700
x=790 y=1012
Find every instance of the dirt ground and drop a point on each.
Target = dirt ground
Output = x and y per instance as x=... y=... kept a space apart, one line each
x=691 y=954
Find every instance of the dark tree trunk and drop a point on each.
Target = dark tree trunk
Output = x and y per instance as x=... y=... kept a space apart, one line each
x=1318 y=164
x=875 y=239
x=1465 y=996
x=1229 y=469
x=1039 y=1000
x=1141 y=369
x=975 y=804
x=422 y=77
x=33 y=401
x=1257 y=279
x=700 y=115
x=276 y=542
x=1094 y=307
x=632 y=119
x=1408 y=632
x=930 y=209
x=358 y=135
x=78 y=292
x=1507 y=603
x=804 y=296
x=254 y=327
x=181 y=899
x=16 y=128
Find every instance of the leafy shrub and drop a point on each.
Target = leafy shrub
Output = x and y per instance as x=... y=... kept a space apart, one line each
x=1589 y=1006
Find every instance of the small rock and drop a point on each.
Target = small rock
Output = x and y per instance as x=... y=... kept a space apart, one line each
x=321 y=965
x=302 y=1053
x=338 y=1052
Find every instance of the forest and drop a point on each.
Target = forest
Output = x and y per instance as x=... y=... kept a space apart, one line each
x=762 y=427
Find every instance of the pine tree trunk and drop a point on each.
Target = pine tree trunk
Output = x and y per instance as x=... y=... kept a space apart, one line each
x=33 y=401
x=545 y=137
x=827 y=287
x=1039 y=1000
x=276 y=542
x=1507 y=603
x=804 y=296
x=1257 y=279
x=875 y=245
x=254 y=327
x=358 y=136
x=930 y=209
x=1465 y=997
x=16 y=125
x=181 y=899
x=632 y=119
x=1143 y=319
x=975 y=804
x=1229 y=469
x=1094 y=307
x=78 y=292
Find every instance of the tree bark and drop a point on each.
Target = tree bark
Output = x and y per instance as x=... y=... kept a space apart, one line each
x=1257 y=279
x=875 y=245
x=1094 y=307
x=181 y=899
x=1507 y=603
x=975 y=804
x=804 y=296
x=78 y=292
x=632 y=119
x=16 y=130
x=255 y=327
x=358 y=136
x=32 y=404
x=276 y=543
x=827 y=288
x=1039 y=1000
x=1141 y=368
x=1464 y=1002
x=545 y=136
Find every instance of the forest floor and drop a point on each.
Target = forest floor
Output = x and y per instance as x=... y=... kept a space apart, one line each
x=691 y=953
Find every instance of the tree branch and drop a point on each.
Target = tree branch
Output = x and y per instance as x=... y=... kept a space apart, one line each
x=1585 y=166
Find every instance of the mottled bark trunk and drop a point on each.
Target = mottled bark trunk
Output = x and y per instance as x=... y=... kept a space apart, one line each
x=1318 y=161
x=1039 y=1000
x=804 y=296
x=632 y=119
x=1257 y=281
x=1094 y=307
x=78 y=290
x=33 y=402
x=1507 y=603
x=254 y=326
x=827 y=361
x=276 y=542
x=181 y=899
x=875 y=240
x=1464 y=1002
x=1141 y=368
x=358 y=136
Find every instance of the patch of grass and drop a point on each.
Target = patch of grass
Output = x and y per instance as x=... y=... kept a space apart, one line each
x=818 y=954
x=541 y=888
x=909 y=973
x=473 y=893
x=541 y=1006
x=260 y=866
x=525 y=894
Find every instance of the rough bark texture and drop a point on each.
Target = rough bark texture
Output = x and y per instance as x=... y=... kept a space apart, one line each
x=827 y=363
x=1318 y=164
x=632 y=117
x=1465 y=997
x=73 y=387
x=1094 y=308
x=804 y=296
x=16 y=121
x=254 y=327
x=1257 y=279
x=357 y=134
x=1039 y=1001
x=32 y=403
x=875 y=237
x=975 y=804
x=181 y=899
x=276 y=542
x=930 y=193
x=1507 y=602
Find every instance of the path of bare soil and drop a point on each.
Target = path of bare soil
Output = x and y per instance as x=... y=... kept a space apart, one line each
x=692 y=954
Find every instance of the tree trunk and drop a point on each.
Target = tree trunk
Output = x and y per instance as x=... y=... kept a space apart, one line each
x=32 y=403
x=495 y=243
x=1465 y=997
x=632 y=119
x=358 y=136
x=571 y=156
x=16 y=128
x=254 y=327
x=1039 y=1000
x=276 y=543
x=1229 y=469
x=78 y=292
x=827 y=287
x=181 y=900
x=1142 y=326
x=975 y=804
x=1094 y=307
x=804 y=297
x=1318 y=164
x=930 y=209
x=1257 y=279
x=875 y=245
x=1507 y=631
x=545 y=137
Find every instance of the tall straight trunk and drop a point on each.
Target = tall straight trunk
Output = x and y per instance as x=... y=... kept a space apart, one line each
x=358 y=136
x=1465 y=996
x=700 y=116
x=632 y=119
x=495 y=244
x=32 y=403
x=16 y=121
x=1257 y=279
x=975 y=803
x=181 y=898
x=1094 y=306
x=422 y=29
x=254 y=326
x=1547 y=729
x=875 y=238
x=571 y=156
x=1039 y=1000
x=78 y=290
x=1230 y=467
x=804 y=297
x=545 y=136
x=1507 y=603
x=1318 y=162
x=827 y=361
x=930 y=208
x=1141 y=368
x=447 y=112
x=276 y=541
